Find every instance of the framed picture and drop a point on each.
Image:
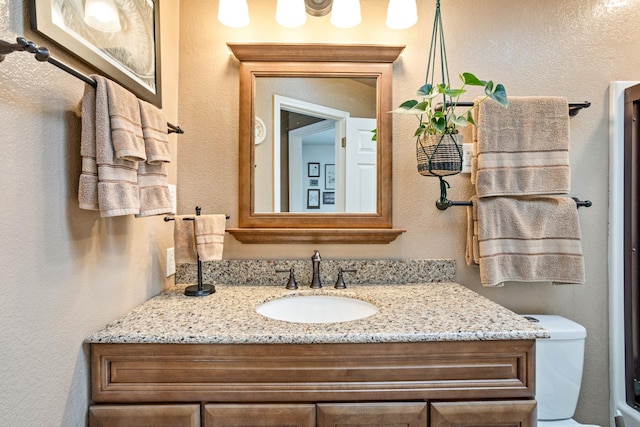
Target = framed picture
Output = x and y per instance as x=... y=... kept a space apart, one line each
x=126 y=49
x=329 y=176
x=313 y=169
x=329 y=198
x=313 y=182
x=313 y=199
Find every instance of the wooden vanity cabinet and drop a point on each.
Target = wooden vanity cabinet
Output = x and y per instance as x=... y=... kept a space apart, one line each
x=473 y=383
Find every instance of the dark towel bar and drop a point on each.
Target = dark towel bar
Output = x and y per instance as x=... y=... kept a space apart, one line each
x=574 y=107
x=442 y=205
x=42 y=55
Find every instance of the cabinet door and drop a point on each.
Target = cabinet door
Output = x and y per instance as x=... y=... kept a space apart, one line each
x=396 y=414
x=484 y=414
x=258 y=415
x=144 y=416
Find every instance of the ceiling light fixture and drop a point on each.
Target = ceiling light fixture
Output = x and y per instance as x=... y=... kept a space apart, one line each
x=401 y=14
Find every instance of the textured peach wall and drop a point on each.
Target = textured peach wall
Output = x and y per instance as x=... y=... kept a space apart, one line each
x=535 y=47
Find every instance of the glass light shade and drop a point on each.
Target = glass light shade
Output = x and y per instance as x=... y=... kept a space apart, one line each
x=345 y=13
x=102 y=15
x=291 y=13
x=401 y=14
x=233 y=13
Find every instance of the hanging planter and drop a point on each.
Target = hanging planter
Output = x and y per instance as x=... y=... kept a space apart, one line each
x=438 y=144
x=439 y=155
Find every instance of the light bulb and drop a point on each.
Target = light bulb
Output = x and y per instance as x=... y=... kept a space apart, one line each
x=291 y=13
x=401 y=14
x=102 y=15
x=233 y=13
x=345 y=13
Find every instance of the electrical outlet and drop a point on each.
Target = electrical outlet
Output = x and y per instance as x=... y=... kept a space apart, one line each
x=467 y=153
x=171 y=262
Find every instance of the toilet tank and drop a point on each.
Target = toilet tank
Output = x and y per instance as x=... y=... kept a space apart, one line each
x=559 y=363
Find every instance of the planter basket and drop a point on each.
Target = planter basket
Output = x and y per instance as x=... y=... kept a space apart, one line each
x=439 y=155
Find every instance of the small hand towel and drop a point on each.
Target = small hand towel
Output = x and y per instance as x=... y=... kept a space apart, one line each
x=529 y=239
x=184 y=240
x=118 y=192
x=523 y=149
x=154 y=132
x=155 y=198
x=209 y=230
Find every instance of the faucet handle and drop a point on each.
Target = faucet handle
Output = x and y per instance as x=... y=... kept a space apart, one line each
x=340 y=282
x=291 y=284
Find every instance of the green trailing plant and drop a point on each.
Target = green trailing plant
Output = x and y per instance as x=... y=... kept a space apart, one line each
x=437 y=107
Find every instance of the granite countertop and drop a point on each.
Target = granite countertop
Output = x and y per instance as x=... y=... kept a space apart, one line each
x=407 y=313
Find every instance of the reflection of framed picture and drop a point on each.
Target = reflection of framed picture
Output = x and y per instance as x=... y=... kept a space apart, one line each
x=126 y=48
x=328 y=198
x=314 y=169
x=313 y=199
x=329 y=177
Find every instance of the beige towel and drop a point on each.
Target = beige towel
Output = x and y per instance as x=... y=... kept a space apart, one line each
x=529 y=239
x=126 y=127
x=88 y=186
x=107 y=183
x=472 y=249
x=209 y=231
x=184 y=240
x=523 y=149
x=154 y=132
x=155 y=198
x=117 y=177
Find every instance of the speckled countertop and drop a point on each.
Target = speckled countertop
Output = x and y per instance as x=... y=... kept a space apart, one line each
x=407 y=313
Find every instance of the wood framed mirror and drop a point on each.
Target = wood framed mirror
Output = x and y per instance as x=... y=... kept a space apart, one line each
x=310 y=169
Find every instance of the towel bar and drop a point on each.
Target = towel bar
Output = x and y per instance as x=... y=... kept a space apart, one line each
x=42 y=55
x=442 y=205
x=574 y=107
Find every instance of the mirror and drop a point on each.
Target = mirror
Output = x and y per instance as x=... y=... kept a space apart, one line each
x=302 y=162
x=309 y=168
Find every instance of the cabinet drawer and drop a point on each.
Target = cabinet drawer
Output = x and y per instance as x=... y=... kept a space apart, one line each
x=483 y=414
x=397 y=414
x=133 y=373
x=259 y=415
x=144 y=416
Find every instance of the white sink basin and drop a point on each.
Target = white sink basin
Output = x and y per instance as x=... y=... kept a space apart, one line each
x=316 y=309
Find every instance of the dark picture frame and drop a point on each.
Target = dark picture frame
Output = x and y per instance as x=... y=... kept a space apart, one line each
x=329 y=176
x=313 y=199
x=328 y=198
x=313 y=170
x=130 y=57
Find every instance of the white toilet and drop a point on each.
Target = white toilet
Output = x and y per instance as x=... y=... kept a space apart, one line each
x=559 y=362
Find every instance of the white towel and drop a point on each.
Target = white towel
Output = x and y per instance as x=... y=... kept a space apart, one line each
x=528 y=239
x=523 y=149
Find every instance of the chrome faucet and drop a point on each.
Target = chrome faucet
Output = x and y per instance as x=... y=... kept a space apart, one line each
x=315 y=280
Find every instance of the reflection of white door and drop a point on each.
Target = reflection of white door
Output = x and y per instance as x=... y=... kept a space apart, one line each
x=360 y=165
